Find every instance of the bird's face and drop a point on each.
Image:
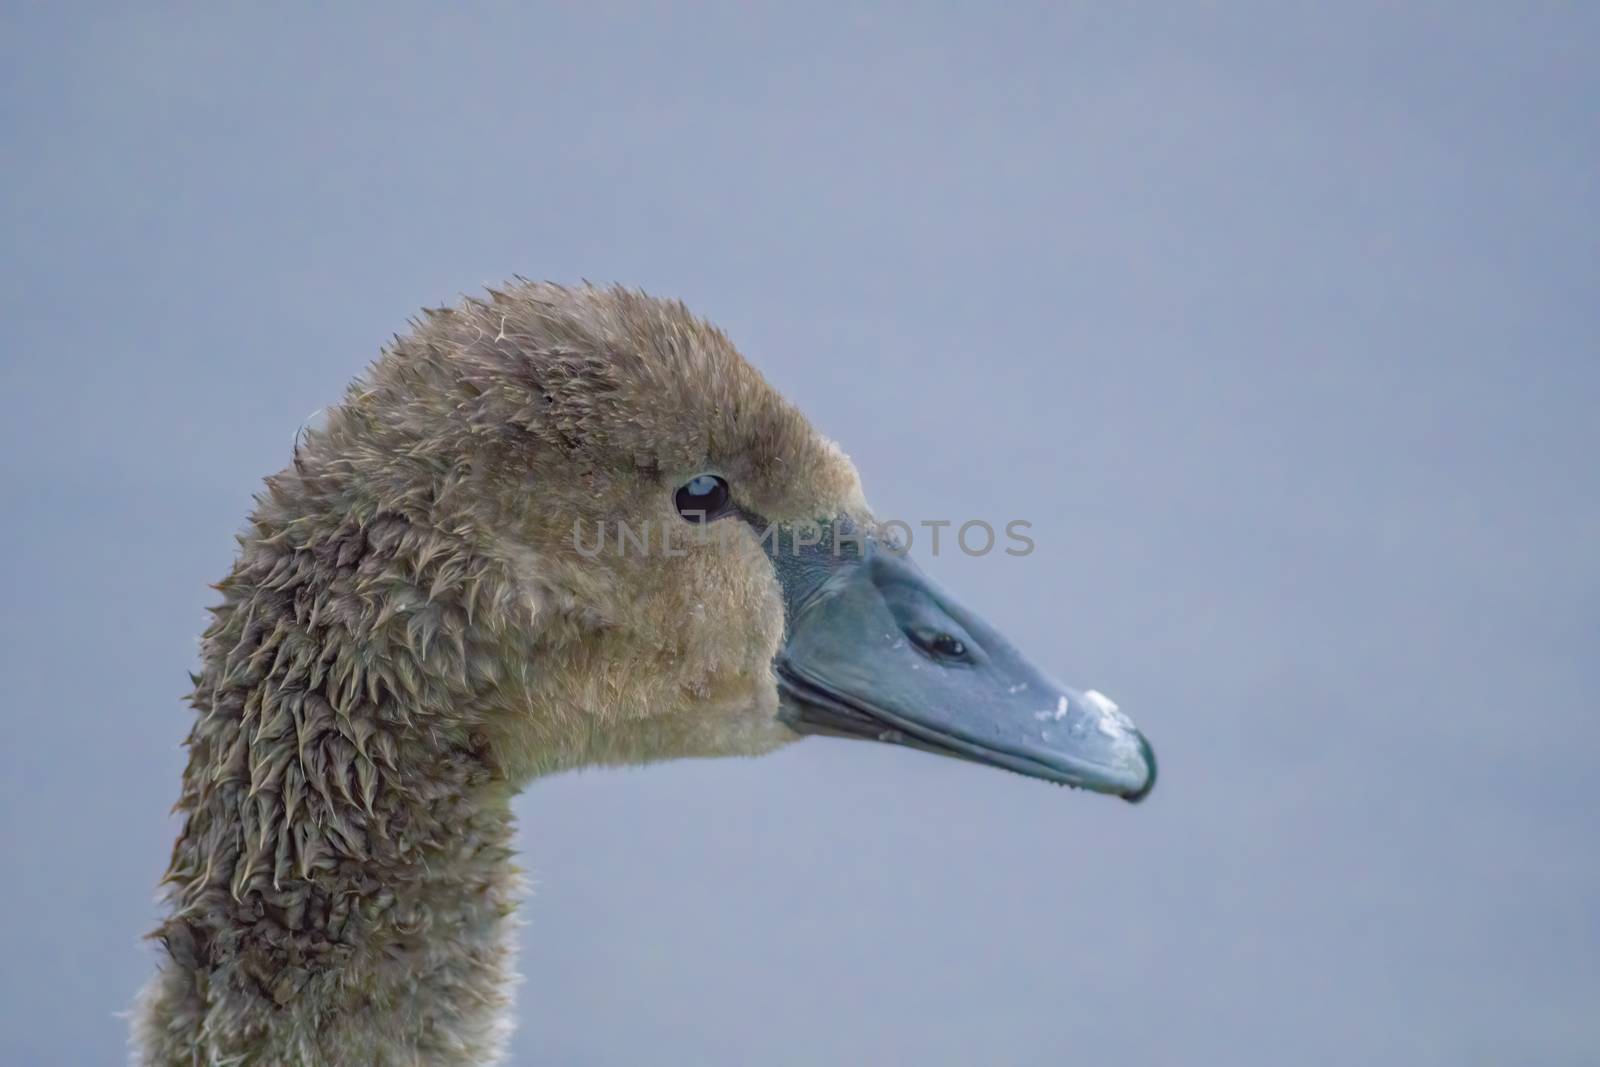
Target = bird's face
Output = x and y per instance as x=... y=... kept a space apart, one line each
x=698 y=569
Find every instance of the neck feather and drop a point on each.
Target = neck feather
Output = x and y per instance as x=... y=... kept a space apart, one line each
x=341 y=890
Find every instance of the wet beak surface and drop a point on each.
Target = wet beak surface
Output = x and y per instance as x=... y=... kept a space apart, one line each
x=876 y=650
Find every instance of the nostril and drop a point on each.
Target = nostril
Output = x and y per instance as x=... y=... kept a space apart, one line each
x=933 y=631
x=940 y=644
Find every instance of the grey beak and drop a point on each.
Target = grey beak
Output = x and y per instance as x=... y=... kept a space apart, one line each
x=875 y=649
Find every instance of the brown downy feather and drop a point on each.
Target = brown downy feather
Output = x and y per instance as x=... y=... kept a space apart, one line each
x=409 y=634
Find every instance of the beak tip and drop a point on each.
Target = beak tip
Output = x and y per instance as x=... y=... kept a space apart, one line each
x=1149 y=755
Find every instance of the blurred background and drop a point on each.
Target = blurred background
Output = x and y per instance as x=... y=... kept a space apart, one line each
x=1278 y=321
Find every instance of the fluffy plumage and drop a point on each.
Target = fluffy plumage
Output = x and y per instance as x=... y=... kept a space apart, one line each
x=410 y=633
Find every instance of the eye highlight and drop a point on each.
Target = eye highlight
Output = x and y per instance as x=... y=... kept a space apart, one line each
x=702 y=498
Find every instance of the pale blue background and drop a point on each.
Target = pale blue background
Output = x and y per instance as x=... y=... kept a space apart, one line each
x=1279 y=321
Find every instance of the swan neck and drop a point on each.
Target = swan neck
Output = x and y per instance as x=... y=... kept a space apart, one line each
x=341 y=888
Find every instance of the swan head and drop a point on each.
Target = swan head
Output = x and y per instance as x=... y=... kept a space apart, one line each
x=677 y=563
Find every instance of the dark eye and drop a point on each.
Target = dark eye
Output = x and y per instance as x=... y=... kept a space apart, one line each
x=949 y=645
x=702 y=498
